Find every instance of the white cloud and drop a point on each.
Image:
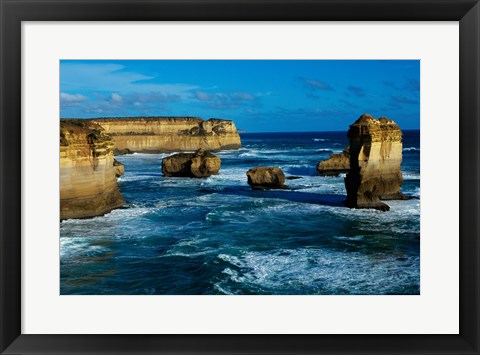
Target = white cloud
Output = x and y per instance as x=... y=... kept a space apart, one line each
x=72 y=98
x=109 y=77
x=116 y=97
x=202 y=96
x=317 y=84
x=225 y=100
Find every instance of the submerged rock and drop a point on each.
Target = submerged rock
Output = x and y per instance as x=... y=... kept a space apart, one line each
x=200 y=164
x=336 y=164
x=375 y=158
x=264 y=178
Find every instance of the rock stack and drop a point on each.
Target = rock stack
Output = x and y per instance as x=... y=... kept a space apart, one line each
x=336 y=164
x=200 y=164
x=265 y=178
x=375 y=158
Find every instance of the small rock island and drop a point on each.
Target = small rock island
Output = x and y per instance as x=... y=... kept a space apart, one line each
x=195 y=165
x=266 y=178
x=336 y=164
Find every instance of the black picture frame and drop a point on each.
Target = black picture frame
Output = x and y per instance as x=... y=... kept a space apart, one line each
x=13 y=12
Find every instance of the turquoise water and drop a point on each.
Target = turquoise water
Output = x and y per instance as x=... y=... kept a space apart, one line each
x=217 y=236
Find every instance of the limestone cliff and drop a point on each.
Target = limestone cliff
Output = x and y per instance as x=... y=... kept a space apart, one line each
x=169 y=134
x=336 y=164
x=375 y=158
x=88 y=185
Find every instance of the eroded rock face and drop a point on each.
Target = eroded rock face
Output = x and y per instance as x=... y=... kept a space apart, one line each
x=264 y=178
x=196 y=165
x=88 y=185
x=375 y=158
x=336 y=164
x=170 y=134
x=119 y=168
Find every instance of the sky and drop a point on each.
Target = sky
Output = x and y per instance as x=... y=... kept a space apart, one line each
x=258 y=95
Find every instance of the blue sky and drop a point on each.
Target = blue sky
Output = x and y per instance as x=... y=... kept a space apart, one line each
x=259 y=95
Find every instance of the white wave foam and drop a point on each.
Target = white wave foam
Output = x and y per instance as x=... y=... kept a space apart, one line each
x=322 y=271
x=415 y=192
x=219 y=288
x=320 y=139
x=248 y=155
x=113 y=216
x=188 y=254
x=354 y=238
x=411 y=149
x=129 y=178
x=410 y=176
x=304 y=165
x=74 y=247
x=230 y=259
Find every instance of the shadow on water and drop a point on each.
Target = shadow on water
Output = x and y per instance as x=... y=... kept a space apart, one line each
x=288 y=195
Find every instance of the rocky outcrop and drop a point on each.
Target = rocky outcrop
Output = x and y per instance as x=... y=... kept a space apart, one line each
x=88 y=185
x=119 y=168
x=336 y=164
x=170 y=134
x=196 y=165
x=375 y=158
x=265 y=178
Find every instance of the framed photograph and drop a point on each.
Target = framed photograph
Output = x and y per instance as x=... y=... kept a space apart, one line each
x=239 y=177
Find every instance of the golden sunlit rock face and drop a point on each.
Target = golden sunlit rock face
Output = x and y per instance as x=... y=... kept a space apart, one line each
x=199 y=164
x=88 y=185
x=335 y=164
x=170 y=134
x=266 y=178
x=375 y=159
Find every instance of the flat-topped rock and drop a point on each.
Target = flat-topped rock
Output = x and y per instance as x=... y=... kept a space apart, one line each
x=375 y=160
x=195 y=165
x=169 y=134
x=265 y=178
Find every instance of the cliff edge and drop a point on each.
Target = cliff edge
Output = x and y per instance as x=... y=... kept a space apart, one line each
x=88 y=185
x=169 y=134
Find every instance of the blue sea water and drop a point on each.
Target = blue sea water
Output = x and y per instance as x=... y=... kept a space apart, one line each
x=216 y=236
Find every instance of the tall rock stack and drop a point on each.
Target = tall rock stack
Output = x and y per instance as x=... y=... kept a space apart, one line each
x=88 y=184
x=375 y=158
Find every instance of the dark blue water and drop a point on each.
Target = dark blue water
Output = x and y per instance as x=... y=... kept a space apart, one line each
x=217 y=236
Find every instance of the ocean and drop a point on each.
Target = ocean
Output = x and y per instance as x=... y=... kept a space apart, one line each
x=215 y=236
